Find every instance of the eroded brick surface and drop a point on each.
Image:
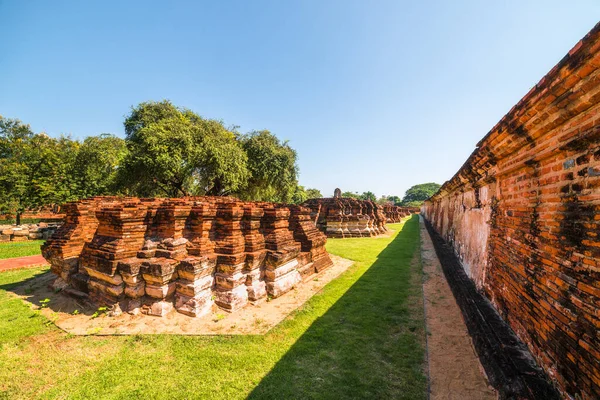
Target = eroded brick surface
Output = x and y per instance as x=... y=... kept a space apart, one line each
x=523 y=214
x=153 y=255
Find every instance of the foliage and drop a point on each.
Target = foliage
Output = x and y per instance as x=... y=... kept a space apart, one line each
x=96 y=164
x=34 y=168
x=301 y=194
x=394 y=200
x=364 y=196
x=368 y=196
x=314 y=194
x=320 y=351
x=174 y=152
x=168 y=151
x=388 y=200
x=351 y=195
x=417 y=194
x=272 y=166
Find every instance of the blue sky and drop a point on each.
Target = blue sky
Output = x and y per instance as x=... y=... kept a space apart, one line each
x=374 y=95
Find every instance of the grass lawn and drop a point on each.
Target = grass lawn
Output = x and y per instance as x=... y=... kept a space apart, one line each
x=361 y=337
x=20 y=249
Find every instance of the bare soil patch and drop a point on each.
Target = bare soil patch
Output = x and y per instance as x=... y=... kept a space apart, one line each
x=78 y=318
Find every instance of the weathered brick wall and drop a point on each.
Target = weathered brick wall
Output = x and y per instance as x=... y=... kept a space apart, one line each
x=153 y=255
x=523 y=214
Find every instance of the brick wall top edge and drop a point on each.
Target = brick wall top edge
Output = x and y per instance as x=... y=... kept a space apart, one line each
x=482 y=158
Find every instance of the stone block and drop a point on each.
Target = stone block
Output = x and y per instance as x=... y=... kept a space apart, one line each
x=195 y=306
x=283 y=284
x=160 y=291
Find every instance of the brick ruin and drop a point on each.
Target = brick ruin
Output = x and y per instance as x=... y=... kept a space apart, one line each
x=340 y=217
x=153 y=255
x=396 y=213
x=523 y=215
x=343 y=217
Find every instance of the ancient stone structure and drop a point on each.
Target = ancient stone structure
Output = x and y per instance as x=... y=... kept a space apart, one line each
x=153 y=255
x=341 y=217
x=19 y=233
x=523 y=215
x=396 y=213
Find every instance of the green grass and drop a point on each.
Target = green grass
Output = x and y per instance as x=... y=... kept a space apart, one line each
x=361 y=337
x=20 y=249
x=13 y=221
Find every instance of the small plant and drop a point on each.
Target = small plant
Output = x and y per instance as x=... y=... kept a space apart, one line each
x=51 y=319
x=269 y=298
x=44 y=303
x=99 y=311
x=219 y=317
x=75 y=312
x=93 y=331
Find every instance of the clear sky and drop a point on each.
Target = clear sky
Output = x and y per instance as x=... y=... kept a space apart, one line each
x=374 y=95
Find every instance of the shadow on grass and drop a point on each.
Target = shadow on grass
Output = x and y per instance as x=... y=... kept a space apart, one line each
x=37 y=291
x=17 y=319
x=369 y=344
x=12 y=280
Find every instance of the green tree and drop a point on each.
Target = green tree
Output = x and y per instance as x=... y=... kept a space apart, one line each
x=300 y=195
x=417 y=194
x=272 y=166
x=368 y=196
x=394 y=200
x=96 y=165
x=351 y=195
x=313 y=194
x=34 y=168
x=175 y=152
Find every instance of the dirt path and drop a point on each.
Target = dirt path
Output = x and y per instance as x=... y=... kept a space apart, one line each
x=454 y=369
x=22 y=262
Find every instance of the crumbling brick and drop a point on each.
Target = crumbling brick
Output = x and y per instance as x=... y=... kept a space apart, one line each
x=153 y=255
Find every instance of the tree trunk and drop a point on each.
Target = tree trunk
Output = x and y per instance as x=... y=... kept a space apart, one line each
x=18 y=218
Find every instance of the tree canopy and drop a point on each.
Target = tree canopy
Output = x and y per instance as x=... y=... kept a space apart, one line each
x=272 y=166
x=368 y=196
x=96 y=165
x=301 y=194
x=351 y=195
x=34 y=168
x=417 y=194
x=174 y=152
x=313 y=193
x=167 y=151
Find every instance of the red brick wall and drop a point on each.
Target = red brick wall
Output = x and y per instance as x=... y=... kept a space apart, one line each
x=523 y=214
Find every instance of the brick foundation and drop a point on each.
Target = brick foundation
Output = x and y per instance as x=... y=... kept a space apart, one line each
x=153 y=255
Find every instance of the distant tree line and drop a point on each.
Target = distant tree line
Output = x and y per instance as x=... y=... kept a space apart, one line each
x=167 y=151
x=413 y=197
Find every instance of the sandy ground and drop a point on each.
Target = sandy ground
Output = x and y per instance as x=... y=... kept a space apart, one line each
x=455 y=372
x=77 y=318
